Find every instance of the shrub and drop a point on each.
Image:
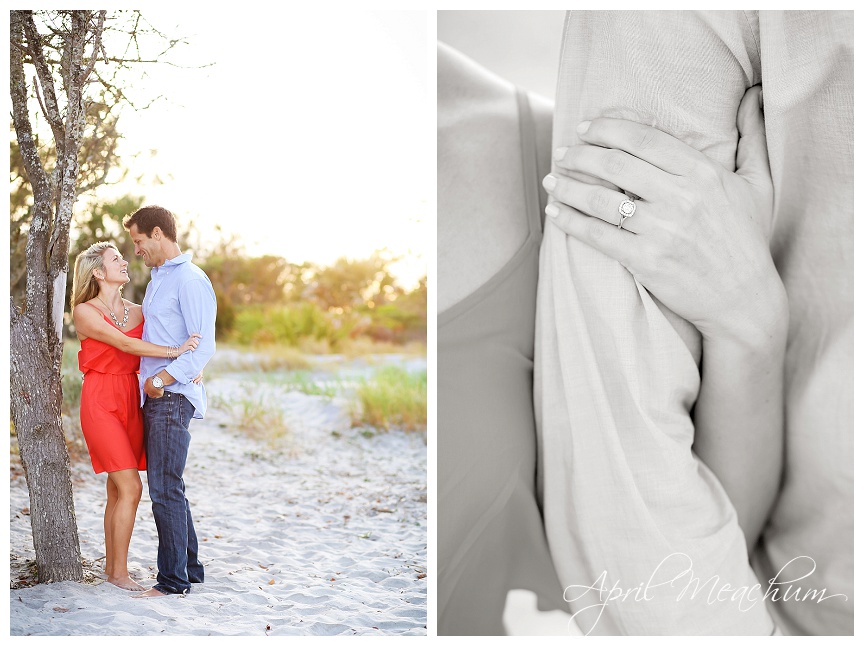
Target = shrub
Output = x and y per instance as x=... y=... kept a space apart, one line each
x=289 y=324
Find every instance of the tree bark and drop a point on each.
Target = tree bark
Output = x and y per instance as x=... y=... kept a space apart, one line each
x=36 y=416
x=37 y=348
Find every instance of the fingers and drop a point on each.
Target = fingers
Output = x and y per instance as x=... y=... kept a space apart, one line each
x=594 y=200
x=616 y=167
x=618 y=244
x=752 y=158
x=648 y=144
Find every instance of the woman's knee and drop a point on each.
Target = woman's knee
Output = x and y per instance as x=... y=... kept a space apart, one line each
x=138 y=489
x=111 y=488
x=128 y=484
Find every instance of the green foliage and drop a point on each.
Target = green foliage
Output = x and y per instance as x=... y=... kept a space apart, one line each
x=289 y=324
x=393 y=397
x=241 y=281
x=392 y=323
x=353 y=284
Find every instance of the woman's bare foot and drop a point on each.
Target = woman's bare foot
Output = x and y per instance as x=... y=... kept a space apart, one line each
x=105 y=569
x=126 y=583
x=152 y=592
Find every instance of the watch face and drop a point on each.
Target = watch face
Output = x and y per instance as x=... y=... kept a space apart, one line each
x=157 y=382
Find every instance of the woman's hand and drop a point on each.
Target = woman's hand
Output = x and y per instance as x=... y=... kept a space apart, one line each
x=190 y=344
x=198 y=378
x=698 y=239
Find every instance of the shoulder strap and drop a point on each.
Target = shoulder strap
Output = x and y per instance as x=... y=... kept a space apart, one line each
x=95 y=308
x=534 y=202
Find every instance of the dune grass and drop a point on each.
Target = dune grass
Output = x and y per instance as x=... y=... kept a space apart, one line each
x=258 y=415
x=392 y=398
x=301 y=381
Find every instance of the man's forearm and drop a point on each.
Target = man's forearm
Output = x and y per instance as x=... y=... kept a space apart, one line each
x=739 y=421
x=189 y=364
x=166 y=377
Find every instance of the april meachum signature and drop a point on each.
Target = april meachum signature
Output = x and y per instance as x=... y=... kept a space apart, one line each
x=745 y=596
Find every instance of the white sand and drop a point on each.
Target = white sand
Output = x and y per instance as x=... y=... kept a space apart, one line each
x=327 y=537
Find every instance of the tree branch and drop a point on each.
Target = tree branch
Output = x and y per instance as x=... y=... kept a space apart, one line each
x=34 y=46
x=39 y=98
x=58 y=246
x=156 y=60
x=97 y=45
x=20 y=117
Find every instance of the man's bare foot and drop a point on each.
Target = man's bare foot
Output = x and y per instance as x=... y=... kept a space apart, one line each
x=126 y=583
x=152 y=592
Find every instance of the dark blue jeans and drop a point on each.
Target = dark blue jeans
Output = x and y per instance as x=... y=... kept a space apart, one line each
x=166 y=439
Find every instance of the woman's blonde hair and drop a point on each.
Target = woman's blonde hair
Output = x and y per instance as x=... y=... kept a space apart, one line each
x=84 y=285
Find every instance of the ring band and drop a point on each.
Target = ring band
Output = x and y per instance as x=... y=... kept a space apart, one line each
x=627 y=208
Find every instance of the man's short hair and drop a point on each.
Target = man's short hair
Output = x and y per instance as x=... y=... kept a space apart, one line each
x=148 y=217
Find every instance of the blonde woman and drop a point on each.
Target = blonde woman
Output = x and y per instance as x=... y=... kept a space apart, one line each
x=109 y=328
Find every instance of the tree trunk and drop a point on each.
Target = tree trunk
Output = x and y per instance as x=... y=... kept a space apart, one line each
x=37 y=349
x=36 y=399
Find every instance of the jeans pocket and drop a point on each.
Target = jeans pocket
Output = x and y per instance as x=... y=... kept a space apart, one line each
x=168 y=401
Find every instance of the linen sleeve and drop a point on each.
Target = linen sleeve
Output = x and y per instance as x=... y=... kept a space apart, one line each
x=198 y=306
x=627 y=504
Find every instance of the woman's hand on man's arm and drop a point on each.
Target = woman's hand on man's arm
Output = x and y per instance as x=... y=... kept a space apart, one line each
x=697 y=238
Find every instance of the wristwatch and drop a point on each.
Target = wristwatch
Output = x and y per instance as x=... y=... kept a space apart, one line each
x=157 y=382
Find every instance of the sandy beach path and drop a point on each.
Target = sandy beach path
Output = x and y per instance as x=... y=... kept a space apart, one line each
x=325 y=536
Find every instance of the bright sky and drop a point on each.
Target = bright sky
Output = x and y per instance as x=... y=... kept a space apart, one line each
x=306 y=136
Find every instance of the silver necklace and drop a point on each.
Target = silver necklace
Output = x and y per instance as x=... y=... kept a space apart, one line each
x=114 y=318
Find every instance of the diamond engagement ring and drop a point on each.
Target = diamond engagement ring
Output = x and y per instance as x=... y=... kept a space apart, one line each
x=627 y=208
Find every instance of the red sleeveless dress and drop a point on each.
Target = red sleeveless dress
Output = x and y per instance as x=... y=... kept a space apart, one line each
x=111 y=417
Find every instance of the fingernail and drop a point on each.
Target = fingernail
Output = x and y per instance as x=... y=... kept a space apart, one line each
x=552 y=210
x=549 y=182
x=559 y=153
x=761 y=102
x=582 y=128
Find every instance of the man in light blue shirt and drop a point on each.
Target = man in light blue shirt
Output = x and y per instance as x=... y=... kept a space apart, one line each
x=179 y=302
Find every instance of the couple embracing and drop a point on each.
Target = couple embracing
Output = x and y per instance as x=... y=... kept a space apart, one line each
x=132 y=424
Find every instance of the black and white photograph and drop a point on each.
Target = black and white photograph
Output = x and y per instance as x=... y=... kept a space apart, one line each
x=645 y=323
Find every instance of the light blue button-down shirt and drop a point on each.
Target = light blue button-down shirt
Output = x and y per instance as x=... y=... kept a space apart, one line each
x=179 y=302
